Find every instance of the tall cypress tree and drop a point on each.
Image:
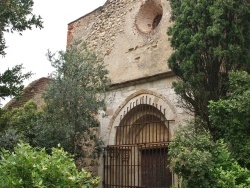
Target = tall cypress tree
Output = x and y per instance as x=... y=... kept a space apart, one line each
x=210 y=38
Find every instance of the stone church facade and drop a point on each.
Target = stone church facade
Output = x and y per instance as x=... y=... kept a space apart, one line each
x=142 y=111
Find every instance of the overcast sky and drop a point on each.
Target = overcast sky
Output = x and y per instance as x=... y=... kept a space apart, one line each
x=30 y=48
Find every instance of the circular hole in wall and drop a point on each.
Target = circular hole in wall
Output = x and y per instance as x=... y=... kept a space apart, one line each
x=149 y=16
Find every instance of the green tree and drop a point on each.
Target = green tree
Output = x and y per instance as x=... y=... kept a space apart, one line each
x=16 y=15
x=30 y=167
x=201 y=162
x=11 y=82
x=73 y=99
x=231 y=117
x=210 y=38
x=19 y=123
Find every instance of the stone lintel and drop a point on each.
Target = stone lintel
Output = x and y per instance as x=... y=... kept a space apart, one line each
x=145 y=79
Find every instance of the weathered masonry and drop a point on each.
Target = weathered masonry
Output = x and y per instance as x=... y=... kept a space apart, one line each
x=142 y=111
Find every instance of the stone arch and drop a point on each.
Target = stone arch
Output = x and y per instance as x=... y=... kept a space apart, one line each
x=143 y=124
x=149 y=16
x=146 y=97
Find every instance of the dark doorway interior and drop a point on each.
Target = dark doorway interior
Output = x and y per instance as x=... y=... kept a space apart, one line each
x=154 y=169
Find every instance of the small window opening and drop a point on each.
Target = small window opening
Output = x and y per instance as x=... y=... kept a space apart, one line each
x=149 y=16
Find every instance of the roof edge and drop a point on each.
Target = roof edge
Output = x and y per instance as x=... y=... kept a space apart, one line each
x=99 y=8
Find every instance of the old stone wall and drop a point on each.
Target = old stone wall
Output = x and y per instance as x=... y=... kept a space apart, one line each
x=130 y=35
x=34 y=91
x=161 y=93
x=131 y=38
x=119 y=100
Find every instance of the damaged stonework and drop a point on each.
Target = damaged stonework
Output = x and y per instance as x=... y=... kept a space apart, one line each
x=131 y=38
x=112 y=31
x=34 y=91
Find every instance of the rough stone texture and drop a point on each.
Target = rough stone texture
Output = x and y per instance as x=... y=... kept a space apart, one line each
x=33 y=91
x=135 y=59
x=131 y=38
x=129 y=53
x=118 y=99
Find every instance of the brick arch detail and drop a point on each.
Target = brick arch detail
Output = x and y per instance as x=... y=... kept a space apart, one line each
x=144 y=97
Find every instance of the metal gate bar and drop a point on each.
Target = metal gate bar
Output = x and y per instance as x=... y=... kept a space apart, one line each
x=139 y=157
x=137 y=166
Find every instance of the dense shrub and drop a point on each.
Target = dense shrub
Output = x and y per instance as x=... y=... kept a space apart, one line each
x=29 y=167
x=201 y=162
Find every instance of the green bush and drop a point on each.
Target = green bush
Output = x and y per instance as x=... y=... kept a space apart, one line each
x=28 y=167
x=230 y=117
x=19 y=123
x=201 y=162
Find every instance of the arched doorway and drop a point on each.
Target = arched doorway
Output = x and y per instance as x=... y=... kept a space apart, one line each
x=139 y=155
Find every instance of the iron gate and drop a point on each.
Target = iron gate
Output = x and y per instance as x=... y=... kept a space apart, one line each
x=139 y=157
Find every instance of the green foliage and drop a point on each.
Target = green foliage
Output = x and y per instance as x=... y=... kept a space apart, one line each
x=202 y=163
x=30 y=167
x=231 y=117
x=11 y=81
x=209 y=38
x=72 y=103
x=19 y=123
x=9 y=138
x=16 y=15
x=73 y=100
